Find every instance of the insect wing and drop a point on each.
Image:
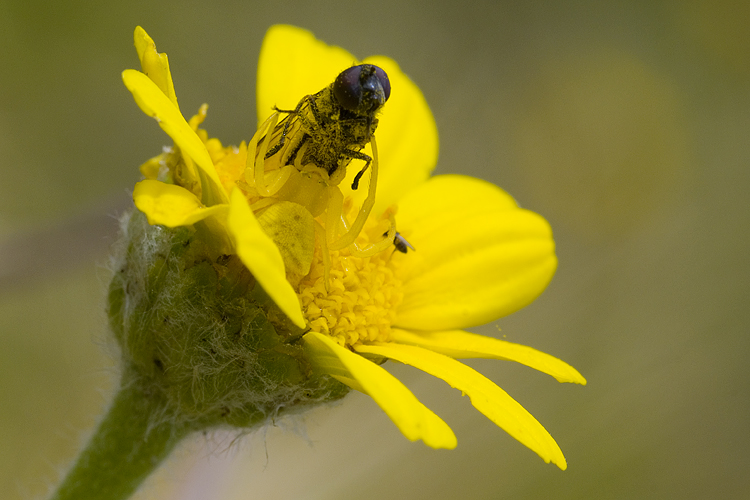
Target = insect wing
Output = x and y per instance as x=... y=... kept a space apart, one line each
x=401 y=244
x=288 y=136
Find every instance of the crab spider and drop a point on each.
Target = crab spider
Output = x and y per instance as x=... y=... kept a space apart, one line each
x=303 y=156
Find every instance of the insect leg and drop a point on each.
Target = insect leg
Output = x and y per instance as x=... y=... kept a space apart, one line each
x=291 y=158
x=359 y=156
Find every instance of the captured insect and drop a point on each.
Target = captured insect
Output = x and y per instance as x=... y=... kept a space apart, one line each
x=303 y=156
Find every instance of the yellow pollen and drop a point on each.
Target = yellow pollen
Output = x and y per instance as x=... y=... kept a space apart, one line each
x=362 y=298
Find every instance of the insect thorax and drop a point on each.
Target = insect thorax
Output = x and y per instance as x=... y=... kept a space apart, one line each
x=332 y=134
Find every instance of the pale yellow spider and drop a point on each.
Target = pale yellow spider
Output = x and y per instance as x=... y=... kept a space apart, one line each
x=302 y=157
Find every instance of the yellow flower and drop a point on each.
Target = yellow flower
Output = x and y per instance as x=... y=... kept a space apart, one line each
x=478 y=255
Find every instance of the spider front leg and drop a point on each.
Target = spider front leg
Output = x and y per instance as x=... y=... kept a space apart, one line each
x=375 y=248
x=257 y=152
x=335 y=211
x=287 y=124
x=320 y=231
x=255 y=164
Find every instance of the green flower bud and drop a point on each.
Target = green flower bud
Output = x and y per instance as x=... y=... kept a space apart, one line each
x=195 y=327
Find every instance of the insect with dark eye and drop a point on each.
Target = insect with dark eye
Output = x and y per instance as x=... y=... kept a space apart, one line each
x=303 y=156
x=343 y=120
x=401 y=244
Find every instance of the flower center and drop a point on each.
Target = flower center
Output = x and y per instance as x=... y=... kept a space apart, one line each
x=363 y=295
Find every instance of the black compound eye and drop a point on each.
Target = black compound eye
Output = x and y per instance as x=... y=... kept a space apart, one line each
x=362 y=89
x=385 y=82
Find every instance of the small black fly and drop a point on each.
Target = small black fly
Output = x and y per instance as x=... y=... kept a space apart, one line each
x=400 y=243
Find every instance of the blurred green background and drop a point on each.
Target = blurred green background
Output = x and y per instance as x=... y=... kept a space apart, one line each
x=625 y=124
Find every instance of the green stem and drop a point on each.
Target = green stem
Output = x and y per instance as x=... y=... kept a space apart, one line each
x=126 y=448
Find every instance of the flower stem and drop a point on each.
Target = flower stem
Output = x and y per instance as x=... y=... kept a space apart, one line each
x=124 y=450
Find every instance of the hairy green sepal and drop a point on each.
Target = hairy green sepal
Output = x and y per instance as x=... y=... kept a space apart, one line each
x=202 y=347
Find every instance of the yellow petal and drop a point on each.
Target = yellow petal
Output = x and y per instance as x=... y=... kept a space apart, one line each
x=460 y=344
x=259 y=254
x=486 y=397
x=154 y=103
x=412 y=418
x=171 y=205
x=478 y=256
x=150 y=169
x=153 y=64
x=293 y=64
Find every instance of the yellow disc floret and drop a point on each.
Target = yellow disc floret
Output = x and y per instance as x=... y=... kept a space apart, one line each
x=361 y=302
x=351 y=294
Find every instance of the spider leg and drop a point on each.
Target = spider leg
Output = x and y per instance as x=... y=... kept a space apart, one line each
x=255 y=165
x=335 y=219
x=364 y=212
x=278 y=181
x=378 y=247
x=321 y=232
x=288 y=123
